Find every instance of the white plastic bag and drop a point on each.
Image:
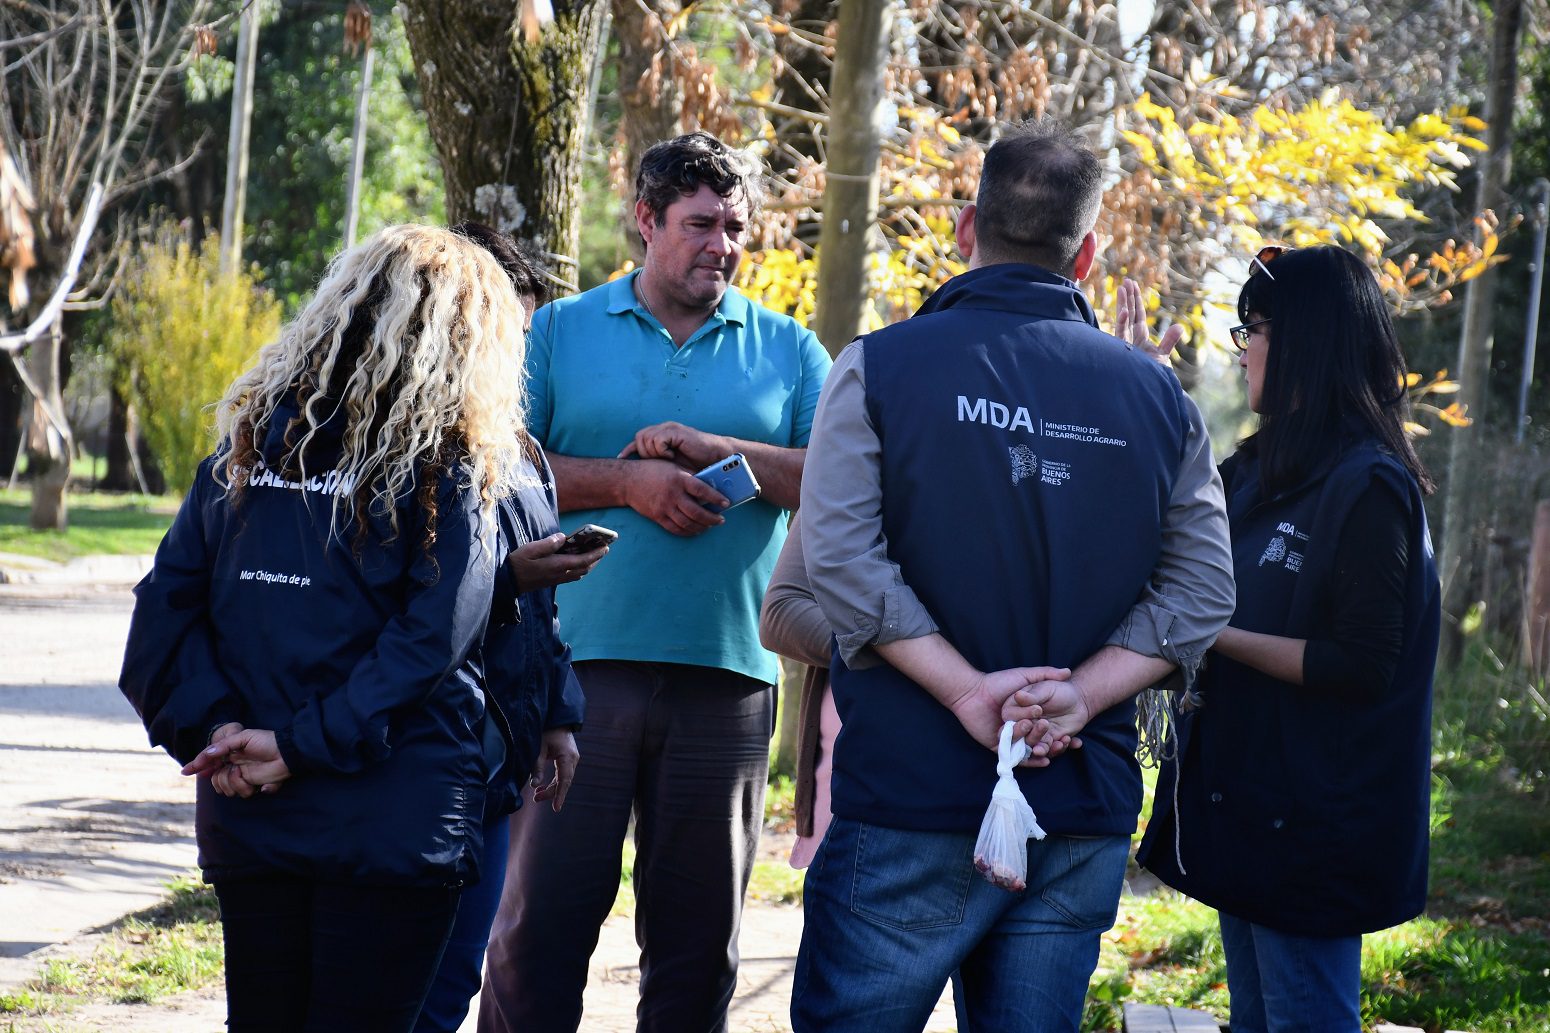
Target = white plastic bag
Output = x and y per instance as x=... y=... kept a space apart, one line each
x=1001 y=852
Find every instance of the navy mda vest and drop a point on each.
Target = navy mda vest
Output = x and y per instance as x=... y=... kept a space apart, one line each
x=1302 y=808
x=1027 y=464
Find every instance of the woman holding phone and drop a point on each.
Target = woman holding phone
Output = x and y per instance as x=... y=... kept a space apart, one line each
x=1297 y=805
x=527 y=663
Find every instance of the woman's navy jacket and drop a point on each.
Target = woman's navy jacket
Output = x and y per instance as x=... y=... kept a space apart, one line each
x=363 y=657
x=523 y=656
x=1299 y=808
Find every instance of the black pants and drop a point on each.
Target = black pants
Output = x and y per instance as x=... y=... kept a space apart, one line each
x=687 y=750
x=309 y=957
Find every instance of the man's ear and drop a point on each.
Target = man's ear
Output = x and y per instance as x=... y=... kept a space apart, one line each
x=645 y=221
x=1085 y=256
x=964 y=230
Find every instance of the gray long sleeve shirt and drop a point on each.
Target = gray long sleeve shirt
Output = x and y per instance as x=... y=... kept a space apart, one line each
x=865 y=597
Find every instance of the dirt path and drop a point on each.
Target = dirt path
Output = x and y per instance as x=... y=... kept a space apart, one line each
x=93 y=822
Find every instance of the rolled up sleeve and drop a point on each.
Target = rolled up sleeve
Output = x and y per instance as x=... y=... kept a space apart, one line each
x=1191 y=595
x=860 y=590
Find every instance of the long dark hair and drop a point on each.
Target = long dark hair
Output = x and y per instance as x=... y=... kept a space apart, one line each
x=1333 y=368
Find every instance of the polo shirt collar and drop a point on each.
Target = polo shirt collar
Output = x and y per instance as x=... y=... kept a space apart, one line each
x=734 y=307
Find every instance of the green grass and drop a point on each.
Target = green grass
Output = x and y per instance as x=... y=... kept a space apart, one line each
x=166 y=949
x=780 y=803
x=100 y=524
x=1435 y=973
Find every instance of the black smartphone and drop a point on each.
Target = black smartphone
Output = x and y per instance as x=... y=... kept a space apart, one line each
x=586 y=538
x=733 y=478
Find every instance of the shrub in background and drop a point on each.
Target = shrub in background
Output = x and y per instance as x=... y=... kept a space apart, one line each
x=180 y=332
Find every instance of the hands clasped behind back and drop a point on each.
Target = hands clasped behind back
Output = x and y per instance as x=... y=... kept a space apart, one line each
x=241 y=761
x=981 y=710
x=1050 y=711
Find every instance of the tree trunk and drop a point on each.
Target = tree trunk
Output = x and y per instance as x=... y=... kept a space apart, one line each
x=352 y=195
x=1464 y=514
x=49 y=466
x=13 y=401
x=509 y=117
x=851 y=187
x=792 y=675
x=237 y=140
x=649 y=98
x=120 y=474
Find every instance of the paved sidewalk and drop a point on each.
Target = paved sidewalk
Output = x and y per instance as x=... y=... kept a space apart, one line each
x=92 y=821
x=89 y=572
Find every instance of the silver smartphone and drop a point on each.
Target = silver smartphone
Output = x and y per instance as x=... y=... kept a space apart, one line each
x=733 y=478
x=587 y=538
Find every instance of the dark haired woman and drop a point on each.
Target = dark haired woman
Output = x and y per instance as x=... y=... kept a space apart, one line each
x=1297 y=805
x=528 y=665
x=307 y=636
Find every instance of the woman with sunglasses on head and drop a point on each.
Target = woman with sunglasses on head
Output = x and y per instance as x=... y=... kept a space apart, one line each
x=308 y=638
x=1297 y=803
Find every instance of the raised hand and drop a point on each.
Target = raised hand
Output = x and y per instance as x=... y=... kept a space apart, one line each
x=1130 y=324
x=672 y=497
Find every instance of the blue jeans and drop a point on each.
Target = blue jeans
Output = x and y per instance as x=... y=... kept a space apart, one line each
x=462 y=963
x=889 y=914
x=1282 y=983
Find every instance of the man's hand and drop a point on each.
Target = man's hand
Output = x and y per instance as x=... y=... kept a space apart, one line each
x=1050 y=714
x=1130 y=324
x=979 y=708
x=674 y=498
x=254 y=755
x=692 y=449
x=538 y=564
x=559 y=749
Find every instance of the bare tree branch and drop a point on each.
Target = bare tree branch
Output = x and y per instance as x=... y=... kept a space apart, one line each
x=14 y=343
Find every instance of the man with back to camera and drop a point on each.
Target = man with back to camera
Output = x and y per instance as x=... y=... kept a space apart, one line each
x=995 y=483
x=635 y=385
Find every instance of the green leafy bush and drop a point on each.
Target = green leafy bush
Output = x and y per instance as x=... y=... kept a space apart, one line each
x=180 y=332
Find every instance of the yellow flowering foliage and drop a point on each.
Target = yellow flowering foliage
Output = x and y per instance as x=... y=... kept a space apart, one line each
x=1328 y=172
x=1419 y=389
x=181 y=332
x=786 y=279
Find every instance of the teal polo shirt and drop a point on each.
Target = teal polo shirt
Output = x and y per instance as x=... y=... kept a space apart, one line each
x=599 y=368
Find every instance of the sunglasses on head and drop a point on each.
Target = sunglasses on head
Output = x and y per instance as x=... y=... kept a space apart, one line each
x=1267 y=254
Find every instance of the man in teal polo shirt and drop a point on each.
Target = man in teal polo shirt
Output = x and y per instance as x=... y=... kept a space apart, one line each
x=634 y=386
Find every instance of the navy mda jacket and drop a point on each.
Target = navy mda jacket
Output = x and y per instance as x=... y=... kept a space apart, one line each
x=367 y=663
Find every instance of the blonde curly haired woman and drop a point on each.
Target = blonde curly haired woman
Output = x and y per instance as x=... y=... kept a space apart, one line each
x=308 y=636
